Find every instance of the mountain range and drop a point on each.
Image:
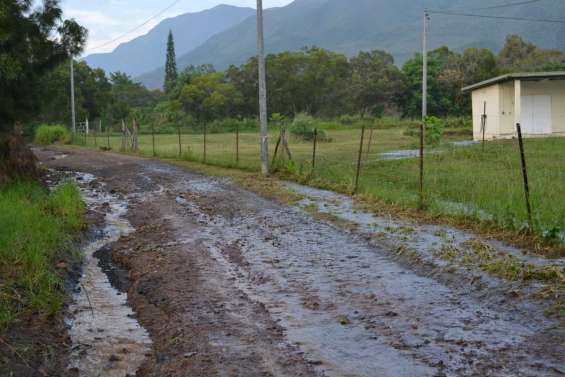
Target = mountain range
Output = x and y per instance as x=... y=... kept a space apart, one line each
x=147 y=52
x=348 y=26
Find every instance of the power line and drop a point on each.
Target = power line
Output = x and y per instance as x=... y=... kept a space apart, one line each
x=137 y=27
x=499 y=17
x=507 y=5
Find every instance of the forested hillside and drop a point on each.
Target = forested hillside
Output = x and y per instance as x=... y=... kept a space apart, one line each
x=146 y=52
x=395 y=26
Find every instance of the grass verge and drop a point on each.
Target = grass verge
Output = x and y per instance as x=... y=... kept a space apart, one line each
x=36 y=226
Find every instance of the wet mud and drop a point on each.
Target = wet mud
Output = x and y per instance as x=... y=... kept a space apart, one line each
x=228 y=283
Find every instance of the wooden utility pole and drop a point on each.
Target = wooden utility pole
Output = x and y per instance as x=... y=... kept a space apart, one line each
x=262 y=91
x=73 y=119
x=424 y=101
x=425 y=66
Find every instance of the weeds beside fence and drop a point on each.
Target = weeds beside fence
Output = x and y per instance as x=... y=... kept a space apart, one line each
x=459 y=180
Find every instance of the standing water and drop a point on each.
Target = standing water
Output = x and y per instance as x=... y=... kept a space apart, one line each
x=107 y=339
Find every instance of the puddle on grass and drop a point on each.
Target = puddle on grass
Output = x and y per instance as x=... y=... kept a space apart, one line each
x=107 y=339
x=422 y=238
x=350 y=307
x=414 y=153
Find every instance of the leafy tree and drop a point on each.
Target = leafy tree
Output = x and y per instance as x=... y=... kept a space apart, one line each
x=170 y=65
x=33 y=41
x=519 y=55
x=210 y=97
x=376 y=83
x=127 y=95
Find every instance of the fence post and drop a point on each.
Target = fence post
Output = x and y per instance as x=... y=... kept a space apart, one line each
x=95 y=135
x=108 y=136
x=205 y=129
x=421 y=190
x=314 y=149
x=525 y=176
x=135 y=140
x=124 y=141
x=237 y=144
x=484 y=123
x=359 y=160
x=153 y=138
x=277 y=147
x=369 y=144
x=180 y=143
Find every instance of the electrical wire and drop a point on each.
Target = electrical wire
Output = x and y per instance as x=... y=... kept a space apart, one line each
x=137 y=27
x=507 y=5
x=554 y=21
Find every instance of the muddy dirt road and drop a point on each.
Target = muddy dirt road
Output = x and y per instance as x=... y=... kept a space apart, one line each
x=228 y=283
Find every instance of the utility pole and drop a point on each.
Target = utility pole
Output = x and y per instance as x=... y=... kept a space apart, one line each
x=73 y=96
x=262 y=91
x=424 y=102
x=425 y=66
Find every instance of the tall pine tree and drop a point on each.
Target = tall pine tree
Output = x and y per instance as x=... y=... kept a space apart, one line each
x=170 y=65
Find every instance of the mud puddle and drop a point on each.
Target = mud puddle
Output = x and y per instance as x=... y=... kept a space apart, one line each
x=350 y=307
x=107 y=339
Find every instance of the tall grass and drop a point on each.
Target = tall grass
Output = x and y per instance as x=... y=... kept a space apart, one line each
x=49 y=134
x=35 y=227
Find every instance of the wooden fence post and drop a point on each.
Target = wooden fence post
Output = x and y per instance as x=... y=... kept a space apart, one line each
x=421 y=189
x=134 y=138
x=237 y=144
x=315 y=141
x=205 y=129
x=123 y=147
x=369 y=144
x=484 y=123
x=525 y=177
x=153 y=138
x=359 y=160
x=180 y=142
x=95 y=135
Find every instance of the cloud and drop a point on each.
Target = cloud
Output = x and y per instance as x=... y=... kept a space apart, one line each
x=90 y=17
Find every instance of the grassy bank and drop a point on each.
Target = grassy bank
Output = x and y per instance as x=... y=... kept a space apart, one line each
x=464 y=182
x=35 y=229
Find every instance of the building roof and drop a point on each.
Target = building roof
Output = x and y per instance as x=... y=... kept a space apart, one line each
x=530 y=76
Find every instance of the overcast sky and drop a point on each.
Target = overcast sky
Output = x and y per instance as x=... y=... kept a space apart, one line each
x=109 y=19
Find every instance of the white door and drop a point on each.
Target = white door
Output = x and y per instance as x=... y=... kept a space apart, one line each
x=536 y=115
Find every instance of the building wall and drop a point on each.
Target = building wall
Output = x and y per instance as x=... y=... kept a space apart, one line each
x=500 y=107
x=490 y=95
x=555 y=89
x=507 y=122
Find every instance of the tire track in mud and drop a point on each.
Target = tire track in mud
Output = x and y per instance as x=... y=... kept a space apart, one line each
x=229 y=283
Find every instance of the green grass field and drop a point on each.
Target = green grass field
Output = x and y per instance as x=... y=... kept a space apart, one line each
x=460 y=181
x=35 y=226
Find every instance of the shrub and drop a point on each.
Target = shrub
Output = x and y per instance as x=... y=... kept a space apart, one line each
x=49 y=134
x=434 y=130
x=303 y=128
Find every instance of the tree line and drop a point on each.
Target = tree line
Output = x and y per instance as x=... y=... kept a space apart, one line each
x=313 y=80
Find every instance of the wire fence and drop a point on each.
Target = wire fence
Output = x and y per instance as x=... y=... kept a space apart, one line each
x=491 y=183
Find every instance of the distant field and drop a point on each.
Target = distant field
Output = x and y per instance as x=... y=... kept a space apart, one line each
x=458 y=180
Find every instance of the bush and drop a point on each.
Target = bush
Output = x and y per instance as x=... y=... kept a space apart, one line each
x=434 y=130
x=50 y=134
x=303 y=128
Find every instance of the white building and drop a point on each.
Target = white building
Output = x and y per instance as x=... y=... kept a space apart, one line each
x=535 y=100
